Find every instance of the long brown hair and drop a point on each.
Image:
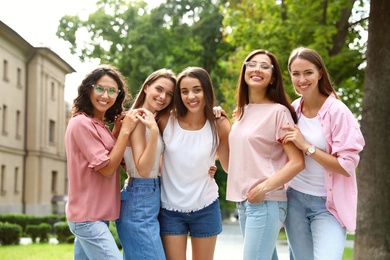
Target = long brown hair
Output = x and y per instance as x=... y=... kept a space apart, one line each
x=209 y=96
x=161 y=73
x=275 y=91
x=325 y=85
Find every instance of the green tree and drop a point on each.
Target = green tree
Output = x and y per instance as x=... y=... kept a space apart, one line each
x=333 y=28
x=123 y=34
x=139 y=40
x=373 y=224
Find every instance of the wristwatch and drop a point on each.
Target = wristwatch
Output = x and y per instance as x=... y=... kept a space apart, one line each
x=311 y=150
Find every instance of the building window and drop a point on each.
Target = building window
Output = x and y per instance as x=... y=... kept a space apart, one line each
x=4 y=117
x=16 y=180
x=2 y=180
x=54 y=177
x=52 y=127
x=5 y=70
x=19 y=78
x=17 y=130
x=53 y=91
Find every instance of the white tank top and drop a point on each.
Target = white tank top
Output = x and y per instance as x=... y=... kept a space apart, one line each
x=185 y=181
x=129 y=159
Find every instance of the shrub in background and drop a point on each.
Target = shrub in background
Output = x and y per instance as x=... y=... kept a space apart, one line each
x=40 y=231
x=10 y=233
x=24 y=220
x=61 y=229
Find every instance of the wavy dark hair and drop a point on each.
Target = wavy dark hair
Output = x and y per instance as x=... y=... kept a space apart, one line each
x=209 y=96
x=82 y=103
x=325 y=85
x=161 y=73
x=275 y=91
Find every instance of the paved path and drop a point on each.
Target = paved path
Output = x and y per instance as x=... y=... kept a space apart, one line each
x=230 y=244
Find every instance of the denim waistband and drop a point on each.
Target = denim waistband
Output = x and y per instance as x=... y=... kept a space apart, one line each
x=144 y=182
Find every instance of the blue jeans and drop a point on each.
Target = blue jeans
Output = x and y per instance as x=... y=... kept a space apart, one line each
x=312 y=231
x=260 y=225
x=138 y=227
x=94 y=241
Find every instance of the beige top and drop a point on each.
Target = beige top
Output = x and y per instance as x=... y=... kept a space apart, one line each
x=129 y=159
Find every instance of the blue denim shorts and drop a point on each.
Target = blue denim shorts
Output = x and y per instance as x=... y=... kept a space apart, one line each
x=206 y=222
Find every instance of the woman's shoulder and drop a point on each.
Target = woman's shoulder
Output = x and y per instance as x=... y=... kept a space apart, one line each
x=223 y=123
x=163 y=120
x=80 y=119
x=335 y=106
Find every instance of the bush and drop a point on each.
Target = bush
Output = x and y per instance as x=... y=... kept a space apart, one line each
x=24 y=220
x=40 y=231
x=10 y=233
x=61 y=229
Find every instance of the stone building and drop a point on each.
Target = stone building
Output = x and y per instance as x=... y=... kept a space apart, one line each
x=32 y=127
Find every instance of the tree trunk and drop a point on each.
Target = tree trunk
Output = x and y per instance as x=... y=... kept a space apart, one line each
x=372 y=239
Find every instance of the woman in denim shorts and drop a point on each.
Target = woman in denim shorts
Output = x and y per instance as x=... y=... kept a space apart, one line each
x=189 y=194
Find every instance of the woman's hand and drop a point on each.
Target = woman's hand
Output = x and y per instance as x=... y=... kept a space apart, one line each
x=256 y=195
x=236 y=114
x=129 y=121
x=218 y=112
x=118 y=124
x=212 y=171
x=147 y=118
x=294 y=135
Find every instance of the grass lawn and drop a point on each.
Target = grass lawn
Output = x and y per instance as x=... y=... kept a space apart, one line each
x=37 y=251
x=348 y=254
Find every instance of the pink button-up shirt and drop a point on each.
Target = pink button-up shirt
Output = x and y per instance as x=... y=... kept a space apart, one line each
x=345 y=141
x=91 y=196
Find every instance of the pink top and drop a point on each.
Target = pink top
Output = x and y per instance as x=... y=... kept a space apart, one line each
x=91 y=196
x=255 y=153
x=345 y=141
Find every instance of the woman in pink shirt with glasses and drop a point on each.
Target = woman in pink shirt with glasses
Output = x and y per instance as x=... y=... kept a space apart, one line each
x=322 y=199
x=93 y=158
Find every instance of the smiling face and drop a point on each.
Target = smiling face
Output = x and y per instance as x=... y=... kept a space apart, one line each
x=259 y=75
x=192 y=94
x=158 y=94
x=102 y=102
x=304 y=76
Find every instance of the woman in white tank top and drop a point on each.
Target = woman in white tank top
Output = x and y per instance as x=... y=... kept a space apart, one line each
x=189 y=195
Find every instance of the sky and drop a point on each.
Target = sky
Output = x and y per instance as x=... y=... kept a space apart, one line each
x=37 y=21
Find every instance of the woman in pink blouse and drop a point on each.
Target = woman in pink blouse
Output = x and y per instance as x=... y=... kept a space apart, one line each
x=93 y=158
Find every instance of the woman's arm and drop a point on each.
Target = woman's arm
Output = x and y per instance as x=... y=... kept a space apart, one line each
x=327 y=160
x=295 y=164
x=223 y=128
x=144 y=151
x=129 y=122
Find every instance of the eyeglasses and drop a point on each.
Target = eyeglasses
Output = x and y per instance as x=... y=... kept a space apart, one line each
x=112 y=92
x=263 y=65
